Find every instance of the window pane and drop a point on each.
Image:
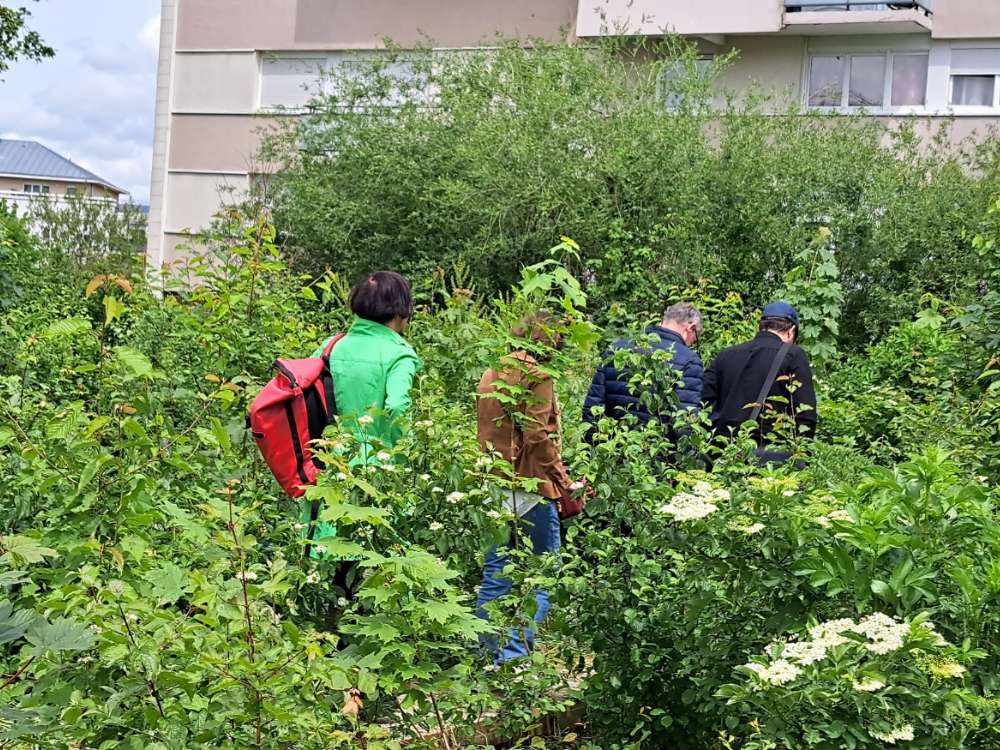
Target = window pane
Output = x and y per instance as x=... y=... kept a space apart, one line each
x=867 y=81
x=826 y=81
x=972 y=90
x=909 y=79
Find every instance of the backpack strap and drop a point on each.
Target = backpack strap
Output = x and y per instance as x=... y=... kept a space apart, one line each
x=328 y=349
x=772 y=375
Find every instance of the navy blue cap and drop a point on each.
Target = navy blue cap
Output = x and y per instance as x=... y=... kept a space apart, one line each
x=781 y=310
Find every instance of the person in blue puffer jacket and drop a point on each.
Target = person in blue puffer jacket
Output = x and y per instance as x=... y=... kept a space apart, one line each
x=610 y=393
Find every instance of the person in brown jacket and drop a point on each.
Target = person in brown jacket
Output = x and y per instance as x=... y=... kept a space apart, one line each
x=518 y=418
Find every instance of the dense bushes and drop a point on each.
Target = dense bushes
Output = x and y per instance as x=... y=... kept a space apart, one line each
x=482 y=158
x=155 y=594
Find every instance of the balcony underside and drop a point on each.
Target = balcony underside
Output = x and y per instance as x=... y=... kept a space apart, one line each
x=831 y=22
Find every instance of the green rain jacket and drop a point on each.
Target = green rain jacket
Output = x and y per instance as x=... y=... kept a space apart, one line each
x=373 y=369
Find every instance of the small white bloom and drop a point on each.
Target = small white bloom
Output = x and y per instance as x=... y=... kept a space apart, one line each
x=947 y=670
x=424 y=477
x=436 y=489
x=313 y=577
x=132 y=617
x=904 y=732
x=788 y=493
x=494 y=514
x=455 y=496
x=383 y=456
x=365 y=419
x=839 y=515
x=754 y=528
x=341 y=476
x=482 y=462
x=424 y=423
x=247 y=576
x=868 y=685
x=342 y=602
x=435 y=526
x=300 y=526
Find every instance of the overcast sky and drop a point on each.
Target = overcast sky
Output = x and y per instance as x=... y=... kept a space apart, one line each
x=93 y=102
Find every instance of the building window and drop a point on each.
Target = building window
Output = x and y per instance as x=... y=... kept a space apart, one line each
x=868 y=80
x=34 y=188
x=289 y=82
x=973 y=90
x=678 y=71
x=71 y=190
x=909 y=80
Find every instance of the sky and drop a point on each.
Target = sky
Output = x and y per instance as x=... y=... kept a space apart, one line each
x=93 y=102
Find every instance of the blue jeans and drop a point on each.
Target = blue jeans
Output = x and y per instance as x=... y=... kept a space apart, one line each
x=540 y=525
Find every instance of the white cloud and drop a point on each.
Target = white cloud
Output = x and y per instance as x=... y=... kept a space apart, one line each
x=93 y=103
x=149 y=34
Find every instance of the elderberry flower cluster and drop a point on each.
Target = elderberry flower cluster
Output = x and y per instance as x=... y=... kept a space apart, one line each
x=904 y=732
x=700 y=502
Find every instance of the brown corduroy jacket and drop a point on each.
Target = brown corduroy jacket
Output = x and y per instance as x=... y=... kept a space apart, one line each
x=530 y=441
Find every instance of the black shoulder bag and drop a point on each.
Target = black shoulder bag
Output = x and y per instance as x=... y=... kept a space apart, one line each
x=764 y=455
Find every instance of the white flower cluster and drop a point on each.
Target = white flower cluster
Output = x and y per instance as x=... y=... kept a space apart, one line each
x=384 y=456
x=904 y=732
x=483 y=461
x=885 y=634
x=754 y=528
x=247 y=576
x=947 y=670
x=837 y=515
x=455 y=497
x=424 y=424
x=868 y=685
x=700 y=502
x=780 y=671
x=435 y=526
x=365 y=419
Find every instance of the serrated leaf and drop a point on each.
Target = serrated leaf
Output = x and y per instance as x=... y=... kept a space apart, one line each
x=23 y=550
x=13 y=625
x=66 y=328
x=62 y=634
x=170 y=582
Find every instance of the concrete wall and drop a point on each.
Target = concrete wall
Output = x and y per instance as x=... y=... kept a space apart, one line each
x=771 y=63
x=966 y=19
x=693 y=17
x=343 y=24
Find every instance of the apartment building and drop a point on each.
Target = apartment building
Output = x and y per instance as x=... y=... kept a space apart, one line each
x=228 y=68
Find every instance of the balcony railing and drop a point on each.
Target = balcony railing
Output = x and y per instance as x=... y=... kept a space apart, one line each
x=795 y=6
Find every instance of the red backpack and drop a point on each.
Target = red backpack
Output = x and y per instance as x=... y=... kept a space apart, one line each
x=292 y=410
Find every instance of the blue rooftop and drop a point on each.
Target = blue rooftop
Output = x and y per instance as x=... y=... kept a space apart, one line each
x=32 y=159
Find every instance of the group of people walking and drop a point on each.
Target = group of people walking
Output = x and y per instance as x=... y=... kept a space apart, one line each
x=764 y=381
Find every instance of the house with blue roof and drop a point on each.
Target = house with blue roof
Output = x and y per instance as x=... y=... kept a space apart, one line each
x=28 y=169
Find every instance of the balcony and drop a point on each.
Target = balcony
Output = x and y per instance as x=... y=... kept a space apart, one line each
x=819 y=17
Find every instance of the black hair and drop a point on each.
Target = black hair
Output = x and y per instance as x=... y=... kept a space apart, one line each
x=776 y=325
x=381 y=296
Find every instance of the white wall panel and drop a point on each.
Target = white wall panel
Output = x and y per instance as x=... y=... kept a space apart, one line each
x=215 y=82
x=192 y=199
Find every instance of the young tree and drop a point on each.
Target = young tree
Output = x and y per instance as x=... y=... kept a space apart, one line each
x=17 y=41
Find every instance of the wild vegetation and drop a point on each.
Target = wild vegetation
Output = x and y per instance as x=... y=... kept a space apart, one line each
x=155 y=591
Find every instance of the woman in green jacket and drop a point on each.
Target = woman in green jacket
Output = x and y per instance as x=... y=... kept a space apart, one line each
x=373 y=368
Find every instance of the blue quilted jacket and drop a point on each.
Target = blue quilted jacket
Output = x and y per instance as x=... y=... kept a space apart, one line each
x=609 y=393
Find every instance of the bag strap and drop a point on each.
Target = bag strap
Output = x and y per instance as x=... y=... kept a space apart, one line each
x=779 y=358
x=328 y=349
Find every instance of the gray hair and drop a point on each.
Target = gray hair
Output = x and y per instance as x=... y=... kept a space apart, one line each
x=684 y=312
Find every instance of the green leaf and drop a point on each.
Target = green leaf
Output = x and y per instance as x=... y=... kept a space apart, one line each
x=13 y=625
x=66 y=328
x=136 y=362
x=170 y=582
x=113 y=309
x=62 y=634
x=23 y=550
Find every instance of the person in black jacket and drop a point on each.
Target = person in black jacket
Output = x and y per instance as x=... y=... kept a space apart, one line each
x=734 y=379
x=610 y=393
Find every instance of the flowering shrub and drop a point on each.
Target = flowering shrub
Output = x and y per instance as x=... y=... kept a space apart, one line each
x=865 y=683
